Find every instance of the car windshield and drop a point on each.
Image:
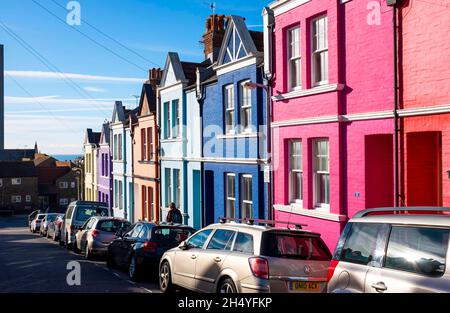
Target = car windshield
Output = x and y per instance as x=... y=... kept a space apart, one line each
x=294 y=246
x=171 y=234
x=85 y=212
x=51 y=218
x=113 y=226
x=40 y=216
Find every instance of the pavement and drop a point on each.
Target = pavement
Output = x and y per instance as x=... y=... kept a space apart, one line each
x=32 y=264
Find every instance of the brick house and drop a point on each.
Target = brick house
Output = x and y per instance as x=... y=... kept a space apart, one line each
x=67 y=190
x=18 y=186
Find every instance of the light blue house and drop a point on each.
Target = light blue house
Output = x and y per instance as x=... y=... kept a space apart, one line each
x=180 y=143
x=233 y=118
x=122 y=162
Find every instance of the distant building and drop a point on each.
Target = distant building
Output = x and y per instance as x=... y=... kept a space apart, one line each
x=145 y=153
x=91 y=142
x=18 y=186
x=2 y=101
x=66 y=190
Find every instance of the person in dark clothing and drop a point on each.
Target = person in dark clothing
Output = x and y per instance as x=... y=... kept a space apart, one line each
x=174 y=215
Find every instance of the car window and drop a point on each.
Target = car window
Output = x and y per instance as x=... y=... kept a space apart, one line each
x=418 y=250
x=365 y=244
x=69 y=213
x=221 y=240
x=244 y=243
x=136 y=231
x=85 y=225
x=91 y=223
x=143 y=234
x=112 y=226
x=198 y=240
x=130 y=231
x=85 y=212
x=171 y=234
x=40 y=216
x=294 y=246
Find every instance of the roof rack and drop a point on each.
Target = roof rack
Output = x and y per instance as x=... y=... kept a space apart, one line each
x=402 y=210
x=252 y=221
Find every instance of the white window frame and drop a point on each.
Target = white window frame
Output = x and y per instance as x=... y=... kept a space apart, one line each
x=319 y=51
x=150 y=143
x=227 y=195
x=246 y=105
x=317 y=174
x=120 y=147
x=16 y=181
x=248 y=202
x=28 y=198
x=16 y=199
x=63 y=185
x=294 y=58
x=229 y=100
x=144 y=156
x=64 y=201
x=169 y=188
x=177 y=187
x=168 y=111
x=73 y=185
x=177 y=119
x=115 y=147
x=121 y=204
x=293 y=172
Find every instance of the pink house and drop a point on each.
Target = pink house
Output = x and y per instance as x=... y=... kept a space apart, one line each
x=331 y=70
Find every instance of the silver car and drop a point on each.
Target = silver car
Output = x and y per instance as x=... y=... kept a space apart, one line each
x=36 y=223
x=97 y=233
x=50 y=217
x=393 y=250
x=234 y=257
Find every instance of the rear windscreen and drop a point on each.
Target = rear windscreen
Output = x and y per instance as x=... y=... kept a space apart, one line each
x=113 y=226
x=171 y=234
x=85 y=212
x=293 y=246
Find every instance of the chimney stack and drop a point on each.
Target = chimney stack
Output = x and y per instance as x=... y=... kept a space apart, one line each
x=213 y=37
x=155 y=75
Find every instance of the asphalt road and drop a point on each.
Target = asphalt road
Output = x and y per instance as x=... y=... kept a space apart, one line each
x=31 y=264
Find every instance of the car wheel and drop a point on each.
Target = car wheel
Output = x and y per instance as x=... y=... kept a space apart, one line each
x=133 y=269
x=66 y=242
x=227 y=286
x=75 y=247
x=110 y=260
x=88 y=254
x=165 y=278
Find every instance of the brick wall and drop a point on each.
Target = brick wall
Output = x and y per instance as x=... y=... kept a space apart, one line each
x=28 y=186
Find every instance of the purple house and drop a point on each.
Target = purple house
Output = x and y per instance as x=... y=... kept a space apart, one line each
x=104 y=167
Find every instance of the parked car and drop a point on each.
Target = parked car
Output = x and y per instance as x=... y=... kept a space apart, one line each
x=140 y=249
x=32 y=216
x=36 y=223
x=76 y=215
x=45 y=221
x=54 y=227
x=393 y=250
x=234 y=257
x=97 y=233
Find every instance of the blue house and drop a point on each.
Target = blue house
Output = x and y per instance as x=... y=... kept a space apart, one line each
x=233 y=121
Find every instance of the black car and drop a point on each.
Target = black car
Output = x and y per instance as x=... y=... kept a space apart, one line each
x=141 y=247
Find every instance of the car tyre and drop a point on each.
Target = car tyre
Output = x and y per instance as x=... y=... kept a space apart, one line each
x=165 y=278
x=75 y=247
x=88 y=254
x=227 y=286
x=66 y=243
x=133 y=269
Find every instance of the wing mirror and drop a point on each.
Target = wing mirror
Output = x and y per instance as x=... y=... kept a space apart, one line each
x=184 y=245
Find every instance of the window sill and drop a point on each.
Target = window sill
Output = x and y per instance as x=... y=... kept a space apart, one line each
x=315 y=213
x=241 y=135
x=308 y=92
x=171 y=140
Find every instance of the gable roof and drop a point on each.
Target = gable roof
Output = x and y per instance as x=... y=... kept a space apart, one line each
x=148 y=92
x=92 y=138
x=244 y=42
x=173 y=60
x=18 y=169
x=118 y=112
x=105 y=135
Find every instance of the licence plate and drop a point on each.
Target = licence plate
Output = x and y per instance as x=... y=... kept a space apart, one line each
x=305 y=286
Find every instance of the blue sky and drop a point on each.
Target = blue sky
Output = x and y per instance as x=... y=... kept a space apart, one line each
x=44 y=107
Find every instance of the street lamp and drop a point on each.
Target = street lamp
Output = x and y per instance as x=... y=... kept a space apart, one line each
x=268 y=166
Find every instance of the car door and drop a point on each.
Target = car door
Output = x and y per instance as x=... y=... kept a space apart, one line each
x=84 y=233
x=116 y=247
x=210 y=261
x=126 y=244
x=415 y=262
x=185 y=260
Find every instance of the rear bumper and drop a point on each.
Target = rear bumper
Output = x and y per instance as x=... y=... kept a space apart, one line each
x=99 y=248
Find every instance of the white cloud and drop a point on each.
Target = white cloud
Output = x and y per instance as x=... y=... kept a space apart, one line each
x=56 y=100
x=94 y=89
x=53 y=75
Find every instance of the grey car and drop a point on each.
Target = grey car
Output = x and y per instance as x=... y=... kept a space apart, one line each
x=54 y=227
x=234 y=257
x=97 y=233
x=49 y=217
x=393 y=250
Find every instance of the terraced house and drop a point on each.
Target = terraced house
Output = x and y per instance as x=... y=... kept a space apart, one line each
x=233 y=133
x=104 y=164
x=91 y=142
x=122 y=161
x=176 y=134
x=145 y=152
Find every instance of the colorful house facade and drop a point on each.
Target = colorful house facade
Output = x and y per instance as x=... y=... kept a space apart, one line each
x=233 y=116
x=174 y=137
x=333 y=101
x=424 y=103
x=91 y=142
x=122 y=161
x=104 y=167
x=145 y=141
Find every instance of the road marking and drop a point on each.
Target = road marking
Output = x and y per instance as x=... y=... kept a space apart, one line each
x=148 y=290
x=131 y=282
x=118 y=275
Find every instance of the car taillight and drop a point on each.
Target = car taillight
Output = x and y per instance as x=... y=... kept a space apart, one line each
x=150 y=246
x=331 y=269
x=259 y=267
x=94 y=233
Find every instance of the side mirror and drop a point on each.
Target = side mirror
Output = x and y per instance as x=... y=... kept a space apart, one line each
x=184 y=245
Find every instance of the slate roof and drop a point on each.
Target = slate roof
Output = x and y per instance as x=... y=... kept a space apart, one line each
x=16 y=154
x=18 y=169
x=258 y=39
x=93 y=137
